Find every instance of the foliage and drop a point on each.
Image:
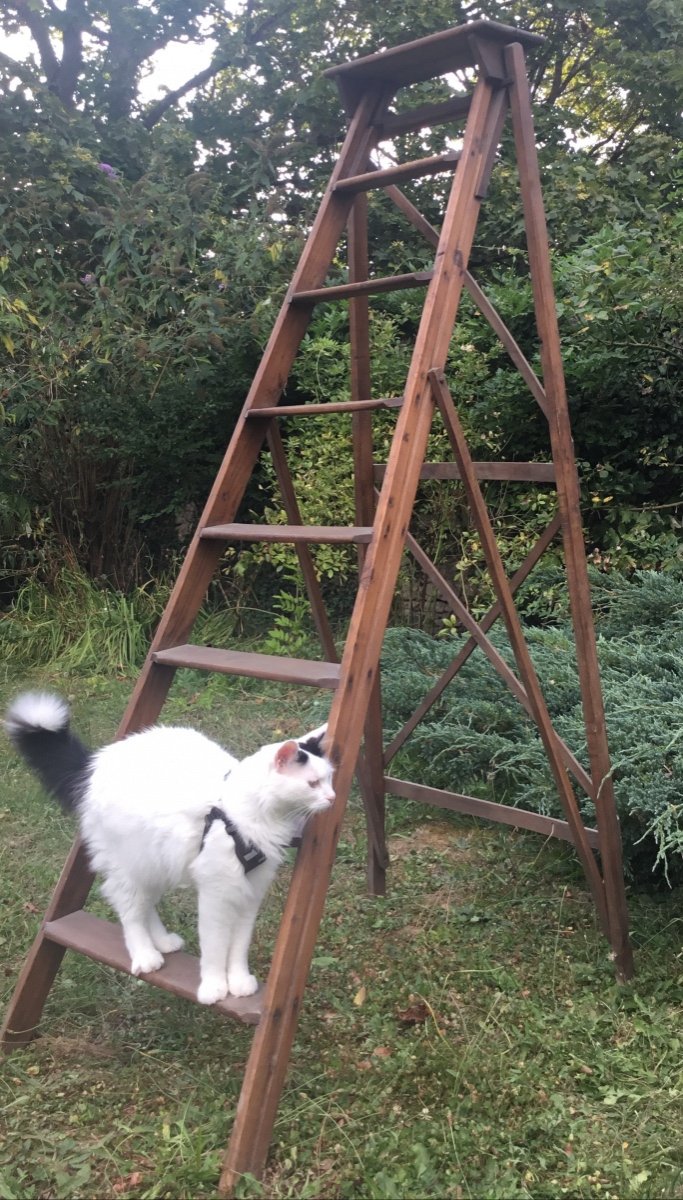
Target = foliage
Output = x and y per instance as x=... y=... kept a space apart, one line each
x=116 y=400
x=82 y=627
x=166 y=233
x=487 y=745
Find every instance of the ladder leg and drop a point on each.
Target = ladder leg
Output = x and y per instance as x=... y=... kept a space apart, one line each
x=271 y=1047
x=373 y=793
x=505 y=598
x=44 y=959
x=272 y=1044
x=371 y=770
x=570 y=510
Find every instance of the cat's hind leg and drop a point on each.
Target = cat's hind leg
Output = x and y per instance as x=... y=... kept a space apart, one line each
x=134 y=908
x=164 y=941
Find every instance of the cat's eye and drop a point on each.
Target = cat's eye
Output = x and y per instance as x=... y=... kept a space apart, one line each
x=314 y=783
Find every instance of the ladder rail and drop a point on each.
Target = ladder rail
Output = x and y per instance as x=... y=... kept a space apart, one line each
x=265 y=1073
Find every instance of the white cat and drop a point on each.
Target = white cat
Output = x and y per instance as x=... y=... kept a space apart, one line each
x=167 y=807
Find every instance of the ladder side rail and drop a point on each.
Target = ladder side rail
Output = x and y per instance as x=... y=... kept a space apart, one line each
x=513 y=625
x=267 y=1064
x=371 y=772
x=22 y=1016
x=569 y=499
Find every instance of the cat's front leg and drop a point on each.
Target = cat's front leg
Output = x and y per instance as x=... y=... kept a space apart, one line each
x=240 y=980
x=213 y=926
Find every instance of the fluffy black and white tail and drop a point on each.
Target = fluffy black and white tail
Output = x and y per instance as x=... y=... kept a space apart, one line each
x=38 y=725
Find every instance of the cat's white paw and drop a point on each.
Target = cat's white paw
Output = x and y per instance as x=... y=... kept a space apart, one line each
x=145 y=961
x=170 y=943
x=241 y=983
x=212 y=989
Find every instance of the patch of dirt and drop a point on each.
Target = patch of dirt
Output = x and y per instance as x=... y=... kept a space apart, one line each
x=435 y=835
x=62 y=1047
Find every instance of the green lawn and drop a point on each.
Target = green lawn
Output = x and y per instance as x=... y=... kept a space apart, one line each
x=463 y=1037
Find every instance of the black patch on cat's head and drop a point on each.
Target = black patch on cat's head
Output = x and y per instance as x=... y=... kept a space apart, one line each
x=314 y=745
x=301 y=757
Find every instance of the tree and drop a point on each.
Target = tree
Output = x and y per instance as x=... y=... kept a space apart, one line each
x=143 y=248
x=91 y=55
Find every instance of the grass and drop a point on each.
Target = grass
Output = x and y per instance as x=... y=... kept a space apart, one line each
x=462 y=1038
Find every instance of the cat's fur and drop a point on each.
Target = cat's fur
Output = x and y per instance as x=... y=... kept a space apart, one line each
x=142 y=804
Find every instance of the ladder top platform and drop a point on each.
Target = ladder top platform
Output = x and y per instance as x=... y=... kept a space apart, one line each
x=429 y=56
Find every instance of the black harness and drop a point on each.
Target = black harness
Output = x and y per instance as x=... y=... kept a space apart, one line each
x=248 y=854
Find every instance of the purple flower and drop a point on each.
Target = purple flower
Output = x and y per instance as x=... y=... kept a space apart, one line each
x=108 y=170
x=88 y=279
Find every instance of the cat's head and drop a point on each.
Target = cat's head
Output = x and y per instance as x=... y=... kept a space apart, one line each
x=298 y=775
x=303 y=775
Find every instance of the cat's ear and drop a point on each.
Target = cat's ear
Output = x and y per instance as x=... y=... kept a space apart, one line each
x=313 y=741
x=316 y=734
x=285 y=755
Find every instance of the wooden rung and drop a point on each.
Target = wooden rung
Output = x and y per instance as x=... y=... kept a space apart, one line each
x=401 y=173
x=256 y=666
x=103 y=941
x=323 y=534
x=336 y=406
x=345 y=291
x=394 y=124
x=474 y=806
x=512 y=472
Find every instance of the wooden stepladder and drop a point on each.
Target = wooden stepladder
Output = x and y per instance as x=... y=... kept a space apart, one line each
x=369 y=88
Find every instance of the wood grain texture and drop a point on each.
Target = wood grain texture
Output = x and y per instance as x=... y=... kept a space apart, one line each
x=103 y=941
x=570 y=510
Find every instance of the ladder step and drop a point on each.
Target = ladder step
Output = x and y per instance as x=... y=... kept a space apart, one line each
x=393 y=124
x=256 y=666
x=336 y=406
x=324 y=534
x=510 y=472
x=103 y=941
x=439 y=53
x=401 y=173
x=345 y=291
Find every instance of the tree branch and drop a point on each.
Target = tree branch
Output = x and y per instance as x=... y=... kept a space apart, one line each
x=74 y=25
x=40 y=33
x=25 y=74
x=156 y=112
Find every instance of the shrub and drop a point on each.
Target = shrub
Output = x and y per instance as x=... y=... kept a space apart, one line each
x=477 y=738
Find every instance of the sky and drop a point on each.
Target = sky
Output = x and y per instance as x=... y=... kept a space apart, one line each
x=170 y=67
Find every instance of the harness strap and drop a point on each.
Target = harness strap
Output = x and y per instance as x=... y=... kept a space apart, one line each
x=248 y=854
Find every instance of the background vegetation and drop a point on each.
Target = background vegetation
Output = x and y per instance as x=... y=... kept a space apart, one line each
x=144 y=247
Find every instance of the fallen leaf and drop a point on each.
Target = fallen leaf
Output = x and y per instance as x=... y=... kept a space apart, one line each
x=360 y=996
x=382 y=1052
x=414 y=1014
x=125 y=1182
